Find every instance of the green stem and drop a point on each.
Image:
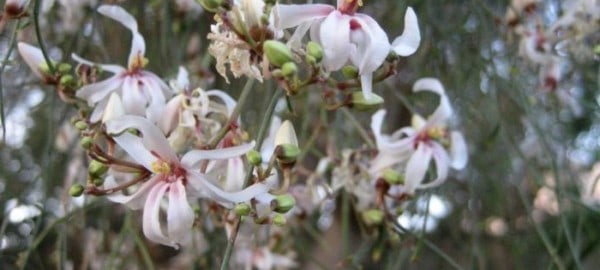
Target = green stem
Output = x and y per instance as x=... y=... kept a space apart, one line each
x=11 y=46
x=361 y=131
x=234 y=115
x=38 y=34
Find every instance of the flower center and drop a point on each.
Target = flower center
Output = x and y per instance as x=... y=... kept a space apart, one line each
x=350 y=6
x=137 y=62
x=161 y=167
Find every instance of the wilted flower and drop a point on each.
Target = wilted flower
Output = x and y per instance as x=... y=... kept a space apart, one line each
x=349 y=37
x=142 y=92
x=173 y=177
x=418 y=144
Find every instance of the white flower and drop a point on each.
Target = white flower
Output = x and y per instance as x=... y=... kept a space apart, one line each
x=35 y=60
x=142 y=92
x=347 y=36
x=417 y=145
x=172 y=178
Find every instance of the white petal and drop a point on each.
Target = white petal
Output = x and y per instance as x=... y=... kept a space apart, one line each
x=444 y=110
x=376 y=125
x=286 y=134
x=441 y=166
x=375 y=48
x=157 y=99
x=95 y=92
x=114 y=108
x=151 y=223
x=295 y=41
x=293 y=15
x=366 y=83
x=133 y=99
x=33 y=57
x=170 y=116
x=458 y=150
x=152 y=137
x=136 y=200
x=98 y=111
x=138 y=46
x=235 y=174
x=183 y=81
x=108 y=67
x=408 y=43
x=226 y=198
x=180 y=215
x=227 y=99
x=417 y=167
x=136 y=149
x=191 y=158
x=335 y=40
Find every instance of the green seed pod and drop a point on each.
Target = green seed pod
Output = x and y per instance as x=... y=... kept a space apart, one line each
x=86 y=142
x=97 y=169
x=97 y=181
x=361 y=103
x=289 y=69
x=81 y=125
x=283 y=203
x=66 y=80
x=76 y=190
x=277 y=52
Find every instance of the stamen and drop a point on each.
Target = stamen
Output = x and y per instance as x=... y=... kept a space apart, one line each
x=160 y=167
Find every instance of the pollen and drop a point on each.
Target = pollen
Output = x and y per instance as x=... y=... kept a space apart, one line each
x=436 y=133
x=139 y=62
x=161 y=167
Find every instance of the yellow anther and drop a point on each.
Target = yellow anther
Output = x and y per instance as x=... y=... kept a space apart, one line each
x=160 y=166
x=436 y=132
x=139 y=62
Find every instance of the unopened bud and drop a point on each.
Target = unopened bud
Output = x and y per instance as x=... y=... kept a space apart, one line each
x=242 y=209
x=254 y=157
x=361 y=103
x=76 y=190
x=279 y=220
x=277 y=52
x=97 y=181
x=86 y=142
x=97 y=168
x=81 y=125
x=64 y=67
x=283 y=203
x=286 y=134
x=597 y=49
x=289 y=69
x=393 y=177
x=287 y=153
x=373 y=217
x=210 y=5
x=314 y=49
x=66 y=80
x=350 y=72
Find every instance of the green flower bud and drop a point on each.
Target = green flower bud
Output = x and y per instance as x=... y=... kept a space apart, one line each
x=97 y=181
x=597 y=49
x=350 y=72
x=44 y=67
x=311 y=60
x=314 y=49
x=289 y=69
x=242 y=209
x=81 y=125
x=254 y=157
x=64 y=67
x=277 y=52
x=363 y=104
x=283 y=203
x=210 y=5
x=279 y=220
x=393 y=177
x=287 y=153
x=76 y=190
x=86 y=142
x=97 y=168
x=373 y=216
x=66 y=79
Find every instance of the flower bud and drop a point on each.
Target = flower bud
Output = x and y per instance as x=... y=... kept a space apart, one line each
x=76 y=190
x=314 y=49
x=242 y=209
x=210 y=5
x=97 y=181
x=361 y=103
x=286 y=134
x=97 y=168
x=279 y=220
x=373 y=217
x=287 y=153
x=289 y=69
x=254 y=157
x=350 y=72
x=277 y=52
x=64 y=67
x=393 y=177
x=81 y=125
x=66 y=80
x=86 y=142
x=283 y=203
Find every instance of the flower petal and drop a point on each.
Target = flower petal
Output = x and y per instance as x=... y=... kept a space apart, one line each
x=408 y=43
x=33 y=57
x=417 y=167
x=335 y=40
x=180 y=215
x=458 y=150
x=235 y=175
x=152 y=138
x=95 y=92
x=226 y=198
x=444 y=110
x=117 y=13
x=227 y=99
x=441 y=159
x=191 y=158
x=157 y=99
x=366 y=83
x=376 y=124
x=293 y=15
x=136 y=149
x=114 y=108
x=151 y=224
x=134 y=201
x=108 y=67
x=133 y=99
x=171 y=113
x=375 y=48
